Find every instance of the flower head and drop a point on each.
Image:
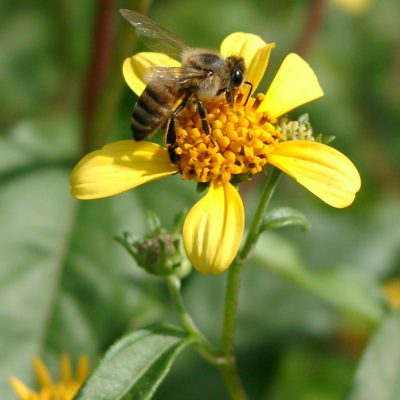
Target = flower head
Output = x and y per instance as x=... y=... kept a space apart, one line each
x=64 y=390
x=241 y=142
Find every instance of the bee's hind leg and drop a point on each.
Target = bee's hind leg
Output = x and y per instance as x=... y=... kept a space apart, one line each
x=170 y=132
x=170 y=139
x=203 y=115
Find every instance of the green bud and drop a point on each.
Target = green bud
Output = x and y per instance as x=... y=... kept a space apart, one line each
x=159 y=252
x=299 y=129
x=158 y=255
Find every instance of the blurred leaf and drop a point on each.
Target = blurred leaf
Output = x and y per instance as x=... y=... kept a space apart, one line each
x=340 y=286
x=311 y=372
x=284 y=216
x=136 y=364
x=63 y=280
x=378 y=376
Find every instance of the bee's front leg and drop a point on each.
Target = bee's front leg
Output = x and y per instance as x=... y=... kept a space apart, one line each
x=250 y=91
x=180 y=107
x=203 y=115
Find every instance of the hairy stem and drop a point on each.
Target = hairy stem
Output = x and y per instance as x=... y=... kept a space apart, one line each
x=233 y=287
x=202 y=345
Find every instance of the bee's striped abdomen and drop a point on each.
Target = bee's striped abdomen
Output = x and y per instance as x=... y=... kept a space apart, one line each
x=152 y=109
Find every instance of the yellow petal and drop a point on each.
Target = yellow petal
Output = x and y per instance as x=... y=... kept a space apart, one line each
x=83 y=368
x=42 y=373
x=324 y=171
x=134 y=67
x=21 y=390
x=254 y=51
x=295 y=84
x=65 y=368
x=213 y=229
x=392 y=293
x=118 y=167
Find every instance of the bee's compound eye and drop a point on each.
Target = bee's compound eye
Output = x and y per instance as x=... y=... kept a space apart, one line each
x=237 y=77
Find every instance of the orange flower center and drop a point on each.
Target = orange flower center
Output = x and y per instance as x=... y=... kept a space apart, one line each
x=239 y=141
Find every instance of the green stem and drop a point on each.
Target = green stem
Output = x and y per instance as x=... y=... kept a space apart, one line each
x=232 y=379
x=254 y=231
x=202 y=345
x=229 y=370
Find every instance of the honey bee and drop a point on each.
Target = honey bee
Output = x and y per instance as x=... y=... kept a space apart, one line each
x=204 y=75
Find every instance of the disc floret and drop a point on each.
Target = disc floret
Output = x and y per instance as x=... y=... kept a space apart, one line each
x=239 y=141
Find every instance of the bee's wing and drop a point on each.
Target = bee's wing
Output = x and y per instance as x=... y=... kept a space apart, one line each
x=159 y=75
x=153 y=35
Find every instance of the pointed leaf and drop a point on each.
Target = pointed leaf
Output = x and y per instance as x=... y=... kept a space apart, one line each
x=136 y=364
x=284 y=216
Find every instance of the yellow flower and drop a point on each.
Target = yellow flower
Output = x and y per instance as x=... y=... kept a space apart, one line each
x=392 y=293
x=241 y=141
x=354 y=6
x=64 y=390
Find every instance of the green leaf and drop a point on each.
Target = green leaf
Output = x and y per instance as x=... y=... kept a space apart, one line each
x=341 y=286
x=136 y=364
x=63 y=280
x=378 y=375
x=282 y=217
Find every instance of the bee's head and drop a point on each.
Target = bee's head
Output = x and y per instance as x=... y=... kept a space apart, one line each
x=237 y=70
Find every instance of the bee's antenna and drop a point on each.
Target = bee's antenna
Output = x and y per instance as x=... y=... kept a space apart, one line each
x=250 y=92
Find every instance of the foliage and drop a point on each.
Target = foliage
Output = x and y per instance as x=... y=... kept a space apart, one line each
x=310 y=301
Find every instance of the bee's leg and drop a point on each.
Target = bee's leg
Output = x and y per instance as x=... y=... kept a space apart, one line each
x=229 y=98
x=203 y=115
x=250 y=91
x=180 y=107
x=170 y=139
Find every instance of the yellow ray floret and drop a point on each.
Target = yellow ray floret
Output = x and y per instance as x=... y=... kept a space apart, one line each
x=134 y=68
x=213 y=229
x=294 y=84
x=324 y=171
x=254 y=51
x=63 y=390
x=118 y=167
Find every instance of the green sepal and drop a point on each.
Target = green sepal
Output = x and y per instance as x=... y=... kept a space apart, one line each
x=178 y=221
x=237 y=179
x=304 y=118
x=202 y=186
x=154 y=222
x=282 y=217
x=127 y=241
x=325 y=139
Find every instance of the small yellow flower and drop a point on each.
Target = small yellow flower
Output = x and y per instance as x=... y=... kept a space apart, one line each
x=64 y=390
x=392 y=293
x=354 y=6
x=241 y=141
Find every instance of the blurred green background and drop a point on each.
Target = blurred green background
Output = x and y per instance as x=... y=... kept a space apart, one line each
x=310 y=300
